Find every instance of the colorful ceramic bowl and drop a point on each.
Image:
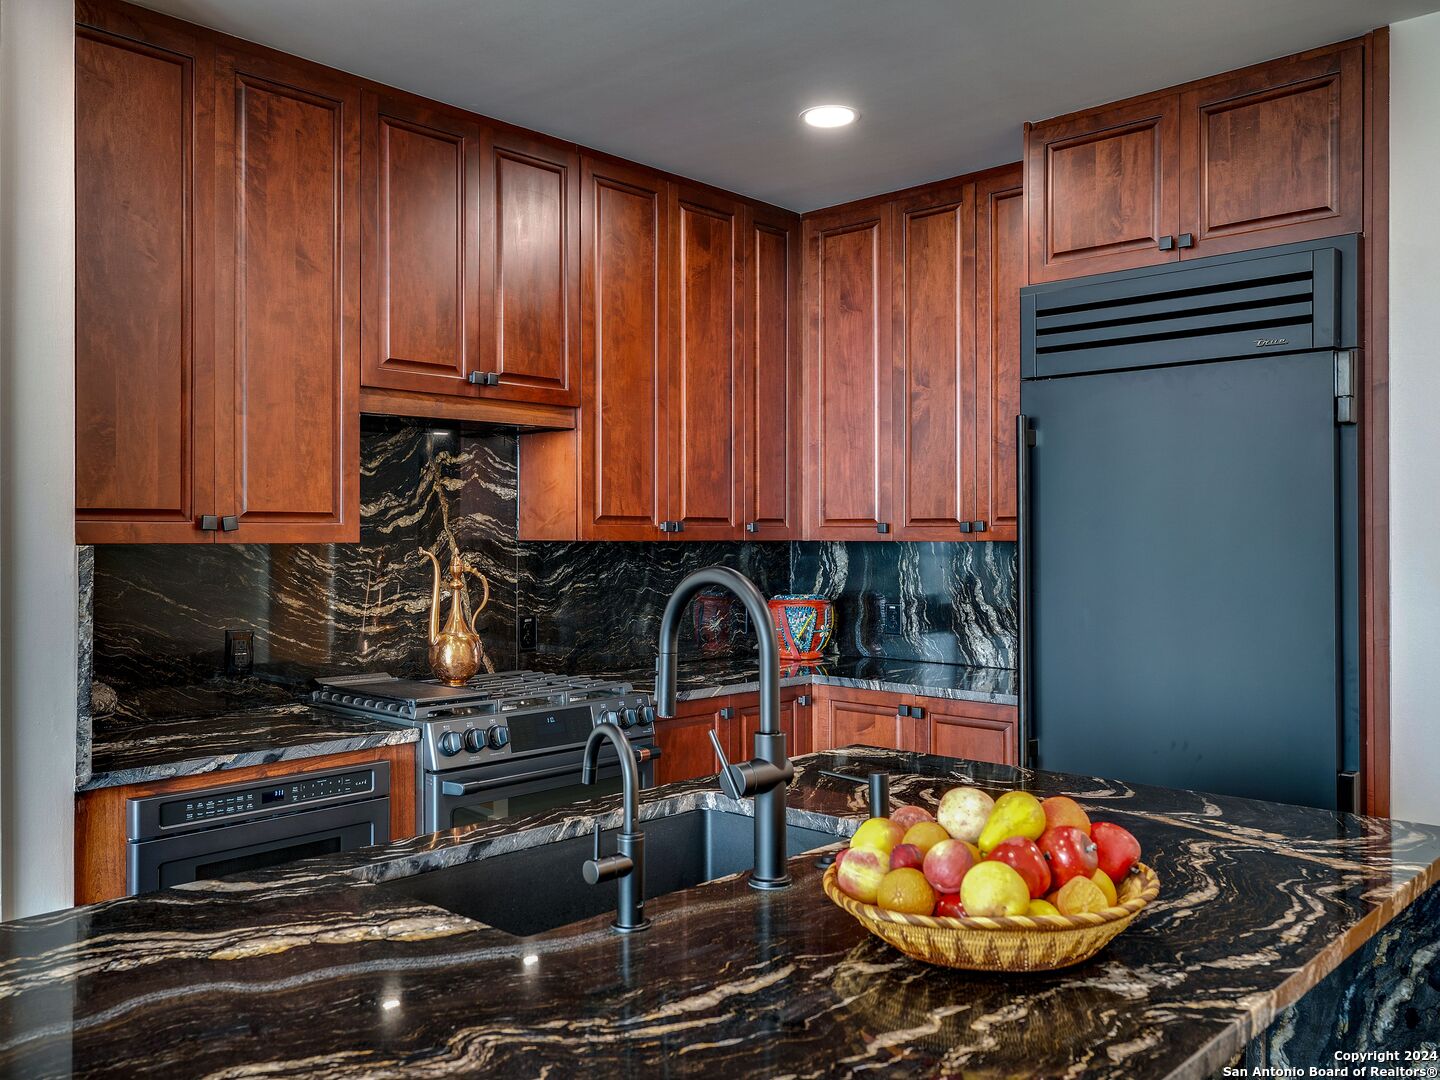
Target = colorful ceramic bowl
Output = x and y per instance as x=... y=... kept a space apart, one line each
x=803 y=623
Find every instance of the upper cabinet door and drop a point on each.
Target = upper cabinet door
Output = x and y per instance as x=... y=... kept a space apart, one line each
x=705 y=379
x=847 y=357
x=532 y=243
x=999 y=276
x=934 y=358
x=144 y=386
x=288 y=150
x=422 y=246
x=771 y=410
x=1275 y=154
x=623 y=236
x=1103 y=189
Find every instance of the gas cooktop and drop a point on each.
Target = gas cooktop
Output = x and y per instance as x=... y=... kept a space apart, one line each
x=387 y=697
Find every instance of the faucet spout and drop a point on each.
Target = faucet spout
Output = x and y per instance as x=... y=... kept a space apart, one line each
x=627 y=865
x=767 y=775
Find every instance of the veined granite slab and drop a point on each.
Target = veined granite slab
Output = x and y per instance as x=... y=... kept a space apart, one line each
x=318 y=969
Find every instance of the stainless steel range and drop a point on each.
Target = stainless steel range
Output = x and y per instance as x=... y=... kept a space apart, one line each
x=507 y=744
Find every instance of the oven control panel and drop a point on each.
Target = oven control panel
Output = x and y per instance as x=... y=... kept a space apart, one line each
x=457 y=741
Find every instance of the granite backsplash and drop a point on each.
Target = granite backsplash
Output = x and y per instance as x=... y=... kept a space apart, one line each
x=160 y=611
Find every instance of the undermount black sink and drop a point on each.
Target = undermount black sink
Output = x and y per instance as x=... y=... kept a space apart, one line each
x=540 y=888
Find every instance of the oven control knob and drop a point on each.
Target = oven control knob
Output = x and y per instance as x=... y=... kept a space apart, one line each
x=628 y=718
x=474 y=740
x=499 y=738
x=647 y=714
x=610 y=716
x=451 y=743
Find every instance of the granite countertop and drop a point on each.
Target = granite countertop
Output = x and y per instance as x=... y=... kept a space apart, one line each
x=318 y=967
x=134 y=749
x=700 y=678
x=168 y=732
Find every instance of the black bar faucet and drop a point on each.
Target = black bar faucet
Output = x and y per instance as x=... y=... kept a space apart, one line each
x=766 y=776
x=627 y=865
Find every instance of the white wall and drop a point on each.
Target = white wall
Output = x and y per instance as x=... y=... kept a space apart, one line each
x=1415 y=419
x=38 y=587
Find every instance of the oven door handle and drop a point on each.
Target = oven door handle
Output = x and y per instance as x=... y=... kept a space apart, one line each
x=474 y=787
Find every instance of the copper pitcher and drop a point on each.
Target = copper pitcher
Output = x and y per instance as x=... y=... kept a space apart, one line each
x=455 y=648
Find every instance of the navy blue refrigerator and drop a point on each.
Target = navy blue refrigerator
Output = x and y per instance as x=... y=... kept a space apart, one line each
x=1188 y=544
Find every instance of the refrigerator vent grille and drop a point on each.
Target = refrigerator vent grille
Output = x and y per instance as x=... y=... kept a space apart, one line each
x=1284 y=303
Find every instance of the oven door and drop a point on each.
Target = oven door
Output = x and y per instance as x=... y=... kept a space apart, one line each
x=464 y=798
x=251 y=845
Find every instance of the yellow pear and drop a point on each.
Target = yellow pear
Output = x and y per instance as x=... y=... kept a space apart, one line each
x=1016 y=813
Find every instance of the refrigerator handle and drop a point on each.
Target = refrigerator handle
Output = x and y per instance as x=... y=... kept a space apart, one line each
x=1024 y=727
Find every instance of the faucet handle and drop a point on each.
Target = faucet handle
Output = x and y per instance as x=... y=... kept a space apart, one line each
x=730 y=777
x=599 y=869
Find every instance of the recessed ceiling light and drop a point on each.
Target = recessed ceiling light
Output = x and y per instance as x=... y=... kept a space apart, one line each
x=829 y=116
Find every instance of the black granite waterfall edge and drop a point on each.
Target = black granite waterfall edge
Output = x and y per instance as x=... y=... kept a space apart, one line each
x=307 y=969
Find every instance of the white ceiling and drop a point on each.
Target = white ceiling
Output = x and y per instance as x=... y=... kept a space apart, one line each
x=710 y=89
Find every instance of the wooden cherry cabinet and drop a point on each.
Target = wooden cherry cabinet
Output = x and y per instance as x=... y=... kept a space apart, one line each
x=999 y=276
x=144 y=293
x=848 y=372
x=218 y=254
x=1271 y=154
x=684 y=740
x=974 y=730
x=421 y=223
x=688 y=428
x=796 y=719
x=846 y=717
x=771 y=376
x=913 y=362
x=705 y=397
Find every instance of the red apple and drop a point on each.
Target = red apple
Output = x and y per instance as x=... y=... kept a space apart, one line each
x=910 y=816
x=949 y=904
x=1028 y=860
x=1071 y=854
x=840 y=857
x=946 y=865
x=1117 y=849
x=906 y=855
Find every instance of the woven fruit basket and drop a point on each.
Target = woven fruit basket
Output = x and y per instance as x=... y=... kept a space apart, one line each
x=1009 y=943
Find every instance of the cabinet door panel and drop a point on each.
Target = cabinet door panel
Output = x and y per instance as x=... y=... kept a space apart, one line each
x=144 y=407
x=421 y=247
x=869 y=718
x=772 y=379
x=934 y=471
x=289 y=150
x=704 y=429
x=1000 y=274
x=794 y=722
x=1103 y=189
x=977 y=731
x=684 y=741
x=848 y=359
x=1276 y=151
x=534 y=193
x=624 y=290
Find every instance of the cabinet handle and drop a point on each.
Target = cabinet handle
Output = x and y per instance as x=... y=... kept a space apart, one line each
x=672 y=526
x=229 y=524
x=1166 y=243
x=903 y=710
x=209 y=522
x=752 y=526
x=727 y=713
x=803 y=700
x=965 y=526
x=483 y=378
x=917 y=713
x=1187 y=240
x=979 y=526
x=882 y=527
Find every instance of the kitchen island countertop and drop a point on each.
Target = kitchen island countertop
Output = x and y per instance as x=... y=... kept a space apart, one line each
x=317 y=968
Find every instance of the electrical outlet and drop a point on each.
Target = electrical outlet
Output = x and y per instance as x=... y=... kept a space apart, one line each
x=239 y=652
x=889 y=617
x=529 y=633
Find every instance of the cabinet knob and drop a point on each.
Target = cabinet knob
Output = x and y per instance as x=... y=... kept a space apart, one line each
x=979 y=526
x=727 y=713
x=752 y=526
x=229 y=524
x=804 y=700
x=882 y=527
x=484 y=378
x=965 y=526
x=1166 y=243
x=1186 y=240
x=209 y=522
